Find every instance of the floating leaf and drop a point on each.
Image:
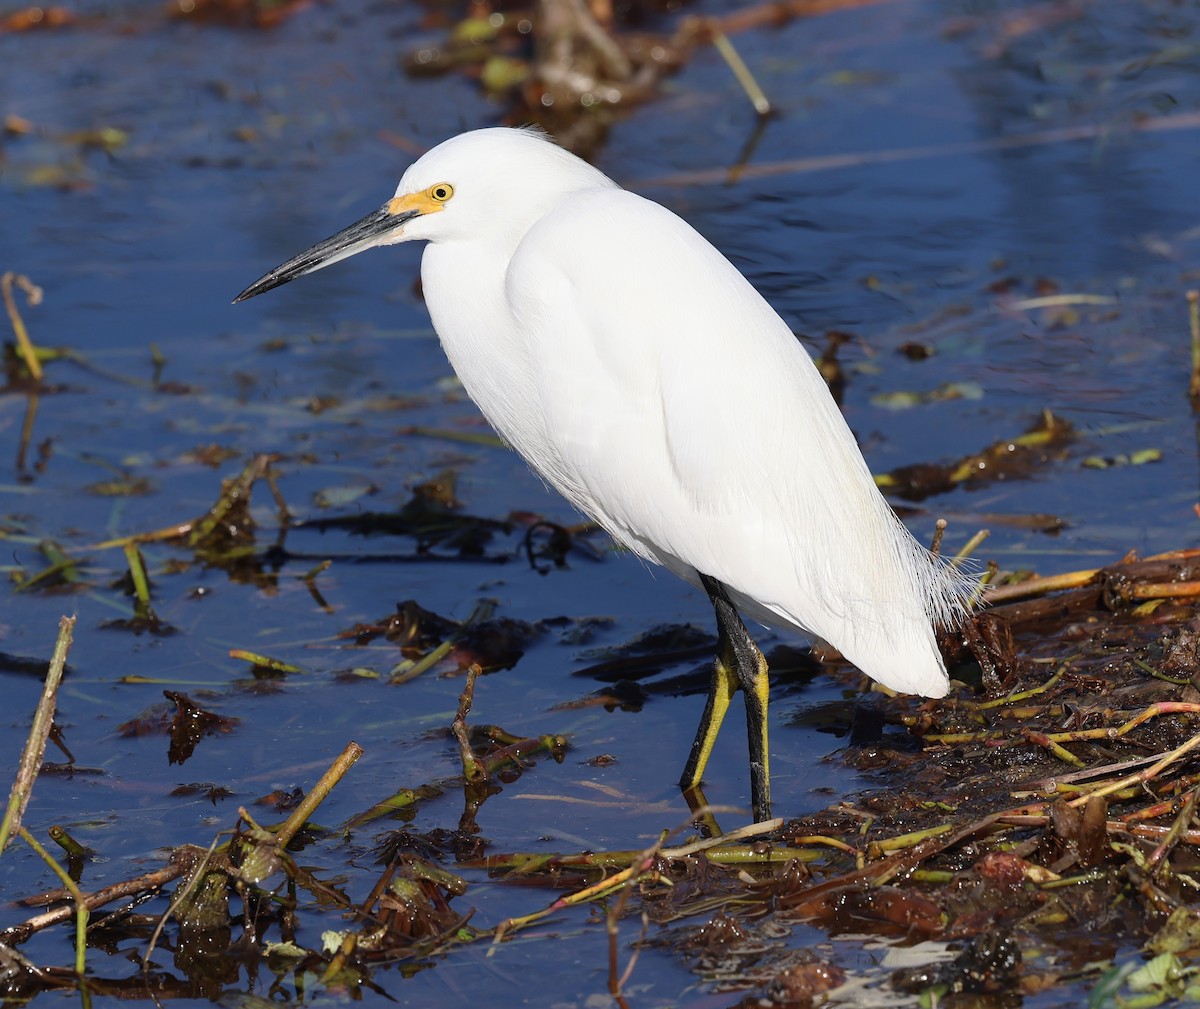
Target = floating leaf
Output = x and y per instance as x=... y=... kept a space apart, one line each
x=1139 y=458
x=1180 y=933
x=263 y=663
x=128 y=487
x=1156 y=974
x=337 y=497
x=907 y=400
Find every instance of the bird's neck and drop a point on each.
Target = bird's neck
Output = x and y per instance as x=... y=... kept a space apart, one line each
x=464 y=288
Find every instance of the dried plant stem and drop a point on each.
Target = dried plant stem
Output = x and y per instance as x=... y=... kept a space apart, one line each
x=968 y=548
x=939 y=530
x=1043 y=740
x=1176 y=831
x=410 y=670
x=750 y=830
x=232 y=494
x=603 y=861
x=616 y=983
x=1051 y=784
x=35 y=745
x=1039 y=816
x=1044 y=585
x=126 y=888
x=337 y=963
x=24 y=344
x=901 y=841
x=464 y=437
x=638 y=865
x=472 y=769
x=745 y=78
x=1040 y=586
x=168 y=533
x=1077 y=735
x=1164 y=590
x=337 y=770
x=606 y=886
x=1140 y=777
x=1023 y=695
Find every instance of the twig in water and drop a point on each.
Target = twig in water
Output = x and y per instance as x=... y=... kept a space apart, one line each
x=742 y=72
x=616 y=983
x=35 y=745
x=1142 y=776
x=33 y=294
x=472 y=769
x=126 y=888
x=968 y=548
x=337 y=770
x=1178 y=828
x=939 y=530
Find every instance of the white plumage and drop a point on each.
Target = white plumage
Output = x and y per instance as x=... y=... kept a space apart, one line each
x=641 y=375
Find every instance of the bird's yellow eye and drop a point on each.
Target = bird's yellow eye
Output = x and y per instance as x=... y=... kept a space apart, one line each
x=441 y=192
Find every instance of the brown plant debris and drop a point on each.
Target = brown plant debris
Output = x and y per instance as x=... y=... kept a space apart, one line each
x=186 y=723
x=1046 y=440
x=426 y=639
x=574 y=66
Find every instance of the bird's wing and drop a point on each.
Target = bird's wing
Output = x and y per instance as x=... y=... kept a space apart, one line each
x=685 y=417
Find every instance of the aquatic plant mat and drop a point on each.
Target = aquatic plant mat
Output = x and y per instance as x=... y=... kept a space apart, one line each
x=1037 y=828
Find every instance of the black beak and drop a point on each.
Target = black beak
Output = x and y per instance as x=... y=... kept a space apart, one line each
x=359 y=236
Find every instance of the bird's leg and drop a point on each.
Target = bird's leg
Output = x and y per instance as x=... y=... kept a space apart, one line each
x=738 y=663
x=720 y=691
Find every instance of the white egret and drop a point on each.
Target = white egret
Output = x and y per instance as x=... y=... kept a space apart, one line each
x=639 y=373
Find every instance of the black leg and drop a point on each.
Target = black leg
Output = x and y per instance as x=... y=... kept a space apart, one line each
x=738 y=663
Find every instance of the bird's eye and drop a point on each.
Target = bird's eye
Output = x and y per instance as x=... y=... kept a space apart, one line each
x=441 y=192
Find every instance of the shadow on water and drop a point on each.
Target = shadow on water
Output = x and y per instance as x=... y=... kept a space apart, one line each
x=995 y=213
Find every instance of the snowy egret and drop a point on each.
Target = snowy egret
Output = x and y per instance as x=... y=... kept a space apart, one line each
x=639 y=373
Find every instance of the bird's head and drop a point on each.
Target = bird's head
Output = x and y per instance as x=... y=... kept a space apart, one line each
x=485 y=186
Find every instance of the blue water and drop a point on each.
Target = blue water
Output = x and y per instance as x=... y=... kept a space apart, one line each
x=246 y=146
